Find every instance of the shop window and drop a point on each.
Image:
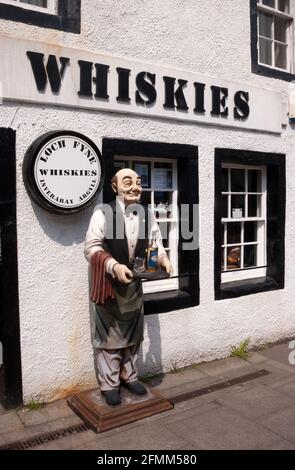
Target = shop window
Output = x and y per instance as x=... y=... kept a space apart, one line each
x=243 y=222
x=169 y=175
x=159 y=193
x=64 y=15
x=249 y=222
x=272 y=38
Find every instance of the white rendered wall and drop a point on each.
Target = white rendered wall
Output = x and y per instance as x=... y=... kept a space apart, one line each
x=212 y=38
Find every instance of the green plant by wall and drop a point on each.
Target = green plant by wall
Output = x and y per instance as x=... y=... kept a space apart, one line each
x=242 y=350
x=33 y=405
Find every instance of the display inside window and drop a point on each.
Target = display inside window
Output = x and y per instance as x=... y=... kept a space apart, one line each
x=146 y=199
x=119 y=165
x=162 y=176
x=243 y=218
x=165 y=232
x=163 y=204
x=37 y=3
x=144 y=171
x=159 y=193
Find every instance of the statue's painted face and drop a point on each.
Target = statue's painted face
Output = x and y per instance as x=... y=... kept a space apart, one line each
x=128 y=186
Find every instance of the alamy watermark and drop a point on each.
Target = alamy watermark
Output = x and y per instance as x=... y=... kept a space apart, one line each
x=187 y=216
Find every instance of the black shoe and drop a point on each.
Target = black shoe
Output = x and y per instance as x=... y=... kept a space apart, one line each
x=112 y=397
x=135 y=387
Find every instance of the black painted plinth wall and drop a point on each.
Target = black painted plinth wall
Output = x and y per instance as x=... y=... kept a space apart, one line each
x=9 y=312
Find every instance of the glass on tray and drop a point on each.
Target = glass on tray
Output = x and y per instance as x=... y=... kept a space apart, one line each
x=139 y=264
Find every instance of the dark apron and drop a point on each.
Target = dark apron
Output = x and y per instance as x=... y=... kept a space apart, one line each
x=119 y=323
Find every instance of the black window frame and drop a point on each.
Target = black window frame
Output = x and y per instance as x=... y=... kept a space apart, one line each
x=68 y=17
x=276 y=207
x=188 y=293
x=11 y=373
x=257 y=68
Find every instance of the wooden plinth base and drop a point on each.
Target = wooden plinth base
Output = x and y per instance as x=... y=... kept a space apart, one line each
x=99 y=416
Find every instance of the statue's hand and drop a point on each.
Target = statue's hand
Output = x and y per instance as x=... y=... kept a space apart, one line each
x=122 y=273
x=165 y=263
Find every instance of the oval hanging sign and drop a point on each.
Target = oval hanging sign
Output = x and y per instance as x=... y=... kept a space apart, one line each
x=63 y=171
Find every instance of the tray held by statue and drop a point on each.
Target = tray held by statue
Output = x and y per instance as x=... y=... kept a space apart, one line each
x=150 y=275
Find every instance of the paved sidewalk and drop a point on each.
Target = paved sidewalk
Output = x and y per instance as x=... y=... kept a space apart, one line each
x=254 y=414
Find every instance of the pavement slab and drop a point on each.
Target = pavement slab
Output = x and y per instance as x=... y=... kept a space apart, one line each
x=222 y=428
x=10 y=422
x=48 y=413
x=172 y=379
x=256 y=401
x=283 y=423
x=282 y=445
x=145 y=437
x=278 y=352
x=223 y=367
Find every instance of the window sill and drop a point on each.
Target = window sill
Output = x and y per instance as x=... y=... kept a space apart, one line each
x=234 y=289
x=160 y=302
x=272 y=72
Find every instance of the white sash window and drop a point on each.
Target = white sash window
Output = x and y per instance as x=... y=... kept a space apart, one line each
x=243 y=222
x=275 y=34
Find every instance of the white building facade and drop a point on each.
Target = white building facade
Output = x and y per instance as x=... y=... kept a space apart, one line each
x=195 y=96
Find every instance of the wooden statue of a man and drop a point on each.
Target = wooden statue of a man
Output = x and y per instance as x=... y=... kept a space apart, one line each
x=118 y=299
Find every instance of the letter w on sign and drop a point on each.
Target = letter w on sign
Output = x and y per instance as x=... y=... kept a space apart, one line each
x=51 y=72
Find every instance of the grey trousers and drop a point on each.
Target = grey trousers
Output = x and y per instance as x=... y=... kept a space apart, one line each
x=117 y=364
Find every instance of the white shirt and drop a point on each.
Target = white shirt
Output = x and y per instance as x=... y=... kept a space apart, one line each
x=97 y=231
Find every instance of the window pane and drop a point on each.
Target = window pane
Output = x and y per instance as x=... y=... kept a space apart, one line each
x=265 y=52
x=163 y=204
x=283 y=5
x=250 y=232
x=280 y=29
x=250 y=256
x=269 y=3
x=163 y=176
x=238 y=181
x=233 y=233
x=119 y=164
x=234 y=257
x=265 y=25
x=165 y=228
x=254 y=181
x=280 y=56
x=145 y=198
x=224 y=180
x=254 y=206
x=143 y=169
x=37 y=3
x=224 y=207
x=222 y=259
x=238 y=202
